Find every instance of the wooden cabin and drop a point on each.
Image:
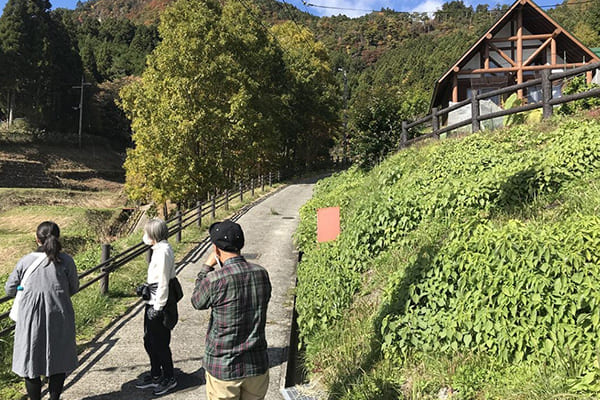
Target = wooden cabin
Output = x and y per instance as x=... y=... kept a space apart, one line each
x=524 y=41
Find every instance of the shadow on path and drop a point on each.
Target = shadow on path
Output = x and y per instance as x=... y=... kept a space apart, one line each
x=100 y=348
x=185 y=382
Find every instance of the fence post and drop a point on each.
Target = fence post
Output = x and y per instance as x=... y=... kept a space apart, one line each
x=241 y=187
x=404 y=136
x=178 y=233
x=104 y=256
x=546 y=94
x=199 y=206
x=262 y=182
x=435 y=124
x=474 y=111
x=278 y=176
x=213 y=209
x=270 y=180
x=226 y=199
x=252 y=186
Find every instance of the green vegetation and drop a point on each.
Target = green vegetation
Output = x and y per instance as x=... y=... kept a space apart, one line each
x=222 y=99
x=84 y=218
x=467 y=267
x=578 y=85
x=390 y=59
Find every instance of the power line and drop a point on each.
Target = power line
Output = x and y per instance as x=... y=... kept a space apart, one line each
x=288 y=8
x=289 y=11
x=337 y=8
x=307 y=4
x=263 y=25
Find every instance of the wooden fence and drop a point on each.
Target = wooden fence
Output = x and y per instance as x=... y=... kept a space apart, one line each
x=176 y=224
x=547 y=103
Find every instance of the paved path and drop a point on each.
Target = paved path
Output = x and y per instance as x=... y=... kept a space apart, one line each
x=108 y=371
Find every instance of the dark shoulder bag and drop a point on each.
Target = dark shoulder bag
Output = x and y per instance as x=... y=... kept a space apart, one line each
x=171 y=316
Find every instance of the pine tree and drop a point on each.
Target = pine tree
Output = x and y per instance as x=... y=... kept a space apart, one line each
x=38 y=57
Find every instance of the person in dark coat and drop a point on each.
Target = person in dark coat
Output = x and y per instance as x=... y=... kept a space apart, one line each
x=45 y=329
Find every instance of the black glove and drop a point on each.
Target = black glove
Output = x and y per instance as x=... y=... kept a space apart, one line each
x=138 y=290
x=153 y=314
x=143 y=291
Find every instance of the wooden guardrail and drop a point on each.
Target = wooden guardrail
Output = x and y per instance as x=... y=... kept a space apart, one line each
x=546 y=104
x=176 y=225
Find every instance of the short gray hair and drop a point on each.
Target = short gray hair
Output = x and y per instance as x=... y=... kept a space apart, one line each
x=157 y=229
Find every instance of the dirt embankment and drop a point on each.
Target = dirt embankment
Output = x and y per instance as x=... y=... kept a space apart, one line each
x=95 y=168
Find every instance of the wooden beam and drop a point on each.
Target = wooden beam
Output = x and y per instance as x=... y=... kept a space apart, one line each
x=542 y=36
x=486 y=57
x=557 y=66
x=506 y=49
x=487 y=71
x=455 y=88
x=538 y=51
x=588 y=77
x=520 y=50
x=515 y=69
x=553 y=51
x=502 y=54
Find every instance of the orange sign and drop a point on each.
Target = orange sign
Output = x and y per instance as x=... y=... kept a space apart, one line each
x=328 y=224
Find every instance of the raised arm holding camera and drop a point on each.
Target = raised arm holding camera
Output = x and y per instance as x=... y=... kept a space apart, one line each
x=237 y=293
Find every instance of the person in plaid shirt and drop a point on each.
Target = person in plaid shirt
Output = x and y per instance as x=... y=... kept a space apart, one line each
x=236 y=360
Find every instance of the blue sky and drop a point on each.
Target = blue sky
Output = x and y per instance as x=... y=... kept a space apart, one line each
x=359 y=6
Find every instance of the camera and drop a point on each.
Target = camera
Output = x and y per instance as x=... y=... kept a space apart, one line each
x=143 y=291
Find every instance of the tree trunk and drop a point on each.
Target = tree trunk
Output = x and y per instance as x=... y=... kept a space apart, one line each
x=11 y=106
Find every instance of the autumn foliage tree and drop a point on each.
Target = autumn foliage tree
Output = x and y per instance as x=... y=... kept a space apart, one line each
x=311 y=97
x=207 y=109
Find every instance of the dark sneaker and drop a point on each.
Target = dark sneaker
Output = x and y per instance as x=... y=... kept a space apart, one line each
x=164 y=386
x=147 y=381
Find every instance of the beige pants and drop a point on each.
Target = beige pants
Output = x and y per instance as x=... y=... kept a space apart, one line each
x=252 y=388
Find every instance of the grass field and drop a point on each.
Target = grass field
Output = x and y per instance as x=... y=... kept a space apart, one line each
x=82 y=217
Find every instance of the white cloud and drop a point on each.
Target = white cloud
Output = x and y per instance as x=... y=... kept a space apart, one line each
x=428 y=6
x=350 y=8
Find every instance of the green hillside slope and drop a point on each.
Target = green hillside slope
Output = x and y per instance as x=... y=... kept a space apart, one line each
x=467 y=268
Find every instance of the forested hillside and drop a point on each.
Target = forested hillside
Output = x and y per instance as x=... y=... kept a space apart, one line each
x=385 y=63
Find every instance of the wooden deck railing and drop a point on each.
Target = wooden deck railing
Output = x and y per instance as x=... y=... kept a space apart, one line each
x=547 y=103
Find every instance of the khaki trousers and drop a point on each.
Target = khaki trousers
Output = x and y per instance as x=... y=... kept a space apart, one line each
x=252 y=388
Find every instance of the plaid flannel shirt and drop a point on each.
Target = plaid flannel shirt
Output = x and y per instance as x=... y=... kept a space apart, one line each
x=237 y=294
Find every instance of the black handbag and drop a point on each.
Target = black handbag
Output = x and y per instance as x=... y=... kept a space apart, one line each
x=170 y=315
x=175 y=290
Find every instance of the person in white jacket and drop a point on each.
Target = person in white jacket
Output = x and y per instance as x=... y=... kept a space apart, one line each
x=157 y=337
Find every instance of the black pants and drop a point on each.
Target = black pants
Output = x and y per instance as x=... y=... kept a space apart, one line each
x=55 y=387
x=157 y=339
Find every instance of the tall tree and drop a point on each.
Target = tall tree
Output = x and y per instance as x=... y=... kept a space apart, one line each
x=206 y=108
x=40 y=60
x=312 y=96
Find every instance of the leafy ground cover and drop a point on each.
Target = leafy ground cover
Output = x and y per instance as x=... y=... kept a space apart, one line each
x=466 y=269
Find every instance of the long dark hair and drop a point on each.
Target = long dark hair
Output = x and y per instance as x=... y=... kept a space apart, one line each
x=48 y=233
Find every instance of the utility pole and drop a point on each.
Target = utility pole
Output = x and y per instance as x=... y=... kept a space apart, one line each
x=83 y=84
x=345 y=140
